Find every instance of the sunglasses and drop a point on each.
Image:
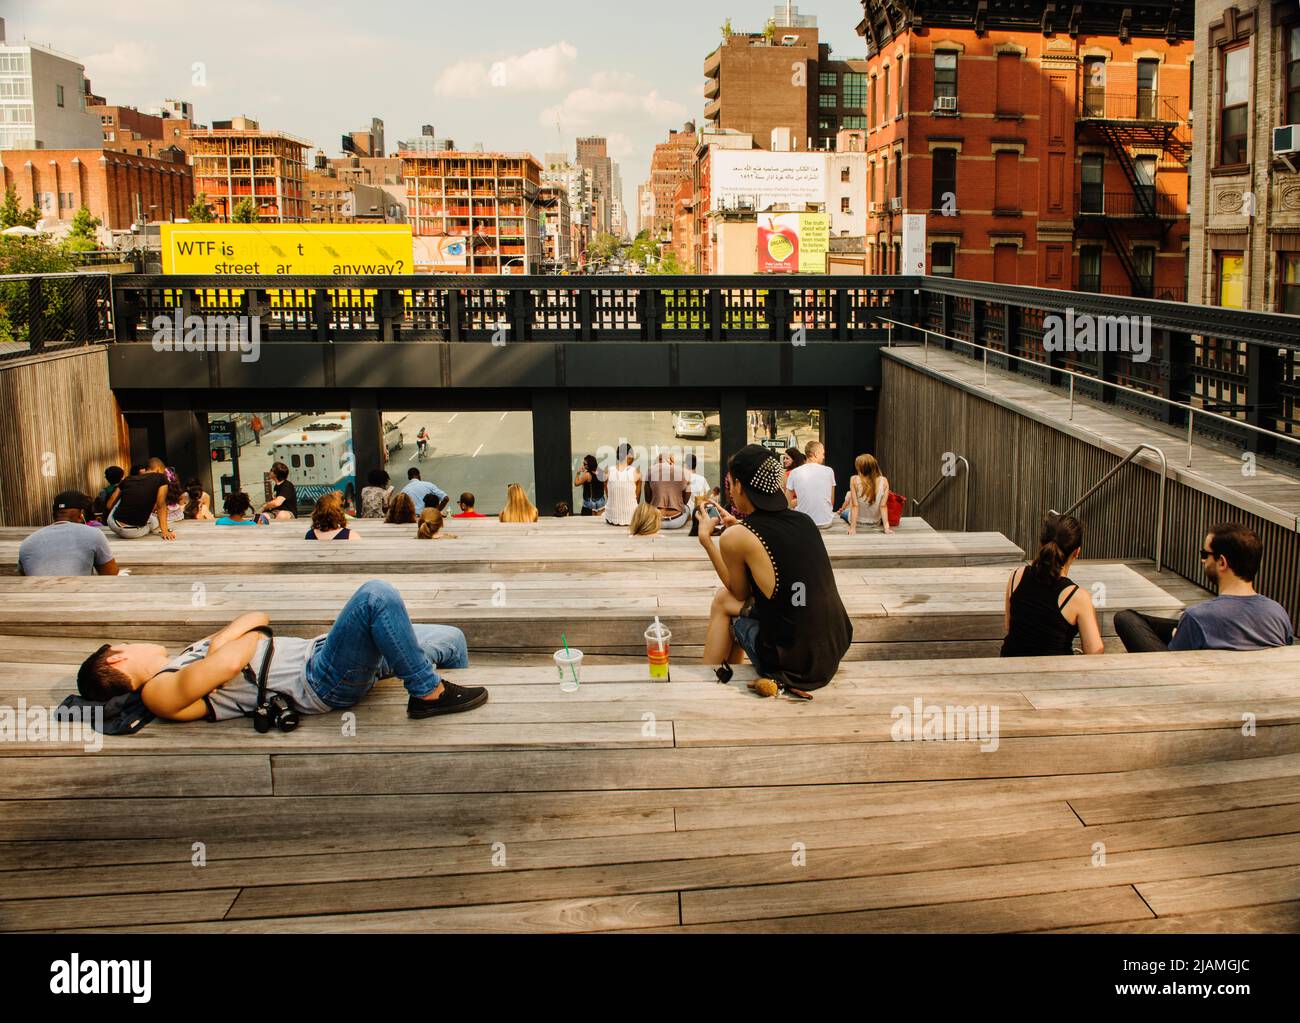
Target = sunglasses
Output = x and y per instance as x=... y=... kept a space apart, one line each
x=1206 y=555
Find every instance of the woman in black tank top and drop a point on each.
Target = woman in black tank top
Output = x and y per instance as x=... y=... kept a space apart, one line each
x=1045 y=609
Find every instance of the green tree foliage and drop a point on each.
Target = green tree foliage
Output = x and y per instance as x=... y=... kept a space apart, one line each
x=604 y=247
x=26 y=255
x=11 y=215
x=643 y=250
x=244 y=213
x=669 y=264
x=200 y=212
x=81 y=235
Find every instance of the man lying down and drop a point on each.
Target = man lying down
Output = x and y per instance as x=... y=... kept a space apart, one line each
x=215 y=679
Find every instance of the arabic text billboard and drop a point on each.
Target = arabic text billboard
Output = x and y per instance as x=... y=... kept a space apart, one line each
x=760 y=179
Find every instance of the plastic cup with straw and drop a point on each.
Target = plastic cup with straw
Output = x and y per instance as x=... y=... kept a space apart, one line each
x=656 y=648
x=571 y=659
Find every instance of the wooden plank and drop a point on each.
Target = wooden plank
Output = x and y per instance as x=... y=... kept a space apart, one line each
x=1197 y=799
x=170 y=908
x=1105 y=906
x=1222 y=891
x=561 y=916
x=955 y=885
x=85 y=777
x=1278 y=918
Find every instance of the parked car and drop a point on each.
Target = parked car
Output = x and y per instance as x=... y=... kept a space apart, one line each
x=393 y=438
x=691 y=424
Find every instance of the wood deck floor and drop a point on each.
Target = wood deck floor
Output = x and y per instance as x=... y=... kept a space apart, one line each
x=1123 y=794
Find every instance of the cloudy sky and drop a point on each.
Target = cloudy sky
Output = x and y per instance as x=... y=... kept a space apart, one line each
x=500 y=72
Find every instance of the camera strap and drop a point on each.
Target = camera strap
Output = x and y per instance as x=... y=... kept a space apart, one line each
x=265 y=670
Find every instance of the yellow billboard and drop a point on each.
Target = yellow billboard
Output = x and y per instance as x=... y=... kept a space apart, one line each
x=294 y=250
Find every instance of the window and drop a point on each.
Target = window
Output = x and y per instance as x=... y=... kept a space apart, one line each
x=884 y=169
x=58 y=95
x=945 y=75
x=1230 y=276
x=1094 y=86
x=309 y=461
x=1144 y=167
x=901 y=95
x=1290 y=282
x=1090 y=268
x=1293 y=75
x=295 y=461
x=1146 y=98
x=844 y=205
x=871 y=102
x=845 y=174
x=943 y=178
x=828 y=100
x=825 y=124
x=943 y=258
x=1091 y=198
x=1144 y=262
x=1191 y=93
x=855 y=121
x=855 y=89
x=898 y=173
x=1234 y=104
x=884 y=94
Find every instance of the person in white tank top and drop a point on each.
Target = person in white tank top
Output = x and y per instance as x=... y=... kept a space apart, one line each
x=622 y=487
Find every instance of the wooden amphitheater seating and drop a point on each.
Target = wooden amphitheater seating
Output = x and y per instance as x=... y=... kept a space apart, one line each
x=490 y=546
x=633 y=805
x=896 y=613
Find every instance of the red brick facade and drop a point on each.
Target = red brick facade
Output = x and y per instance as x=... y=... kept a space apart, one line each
x=119 y=188
x=1032 y=116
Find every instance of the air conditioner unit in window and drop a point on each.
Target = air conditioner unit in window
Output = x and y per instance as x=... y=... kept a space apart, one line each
x=945 y=103
x=896 y=203
x=1286 y=140
x=872 y=207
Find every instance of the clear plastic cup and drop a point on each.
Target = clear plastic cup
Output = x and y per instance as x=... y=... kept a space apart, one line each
x=657 y=639
x=568 y=665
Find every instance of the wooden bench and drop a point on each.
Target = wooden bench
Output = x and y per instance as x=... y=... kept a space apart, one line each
x=491 y=546
x=635 y=805
x=896 y=613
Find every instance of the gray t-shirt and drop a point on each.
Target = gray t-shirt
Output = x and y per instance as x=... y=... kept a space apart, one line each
x=1234 y=623
x=287 y=676
x=64 y=548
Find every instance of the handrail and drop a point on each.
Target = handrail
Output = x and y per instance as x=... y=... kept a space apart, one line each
x=1191 y=410
x=965 y=497
x=1160 y=498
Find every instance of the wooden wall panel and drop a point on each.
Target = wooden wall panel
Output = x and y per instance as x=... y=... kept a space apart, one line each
x=60 y=428
x=1022 y=468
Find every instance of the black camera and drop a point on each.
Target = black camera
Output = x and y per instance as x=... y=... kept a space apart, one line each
x=274 y=712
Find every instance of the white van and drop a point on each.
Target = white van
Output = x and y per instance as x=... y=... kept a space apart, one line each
x=320 y=459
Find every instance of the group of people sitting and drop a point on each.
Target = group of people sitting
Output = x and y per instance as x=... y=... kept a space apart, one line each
x=671 y=493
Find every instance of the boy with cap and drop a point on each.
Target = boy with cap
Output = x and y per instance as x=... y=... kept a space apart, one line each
x=67 y=546
x=778 y=602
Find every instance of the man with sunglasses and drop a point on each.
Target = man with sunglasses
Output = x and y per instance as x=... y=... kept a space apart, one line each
x=1237 y=619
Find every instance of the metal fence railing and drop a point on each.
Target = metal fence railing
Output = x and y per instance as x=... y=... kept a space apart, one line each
x=44 y=312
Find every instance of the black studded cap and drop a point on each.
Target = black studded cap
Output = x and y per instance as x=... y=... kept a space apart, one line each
x=758 y=471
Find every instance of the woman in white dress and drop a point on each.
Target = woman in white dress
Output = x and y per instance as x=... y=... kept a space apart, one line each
x=622 y=487
x=868 y=492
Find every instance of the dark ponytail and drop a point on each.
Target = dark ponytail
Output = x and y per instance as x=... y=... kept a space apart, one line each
x=193 y=499
x=1060 y=537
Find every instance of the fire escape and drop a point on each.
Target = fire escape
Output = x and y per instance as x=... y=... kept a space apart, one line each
x=1140 y=130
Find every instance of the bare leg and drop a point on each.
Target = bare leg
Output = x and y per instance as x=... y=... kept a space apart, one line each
x=719 y=645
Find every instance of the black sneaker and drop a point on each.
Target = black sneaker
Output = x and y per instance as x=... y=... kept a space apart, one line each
x=454 y=700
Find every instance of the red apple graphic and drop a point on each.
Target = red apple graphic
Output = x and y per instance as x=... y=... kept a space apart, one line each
x=782 y=245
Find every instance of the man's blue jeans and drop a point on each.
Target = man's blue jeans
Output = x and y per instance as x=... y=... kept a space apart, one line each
x=373 y=638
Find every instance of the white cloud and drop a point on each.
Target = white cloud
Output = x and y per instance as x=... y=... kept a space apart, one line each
x=541 y=70
x=614 y=97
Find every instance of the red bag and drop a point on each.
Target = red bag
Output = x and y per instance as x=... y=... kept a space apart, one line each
x=894 y=505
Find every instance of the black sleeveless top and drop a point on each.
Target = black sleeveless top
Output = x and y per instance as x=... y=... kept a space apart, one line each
x=593 y=490
x=803 y=629
x=1038 y=629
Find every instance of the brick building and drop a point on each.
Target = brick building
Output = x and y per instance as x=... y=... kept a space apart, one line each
x=556 y=225
x=1048 y=145
x=1245 y=250
x=593 y=155
x=234 y=160
x=487 y=199
x=122 y=189
x=782 y=86
x=670 y=165
x=128 y=130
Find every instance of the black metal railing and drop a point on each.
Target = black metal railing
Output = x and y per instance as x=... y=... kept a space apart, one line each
x=1130 y=204
x=512 y=309
x=45 y=312
x=1103 y=105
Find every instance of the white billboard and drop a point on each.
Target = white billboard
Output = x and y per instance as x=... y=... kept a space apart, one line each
x=757 y=179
